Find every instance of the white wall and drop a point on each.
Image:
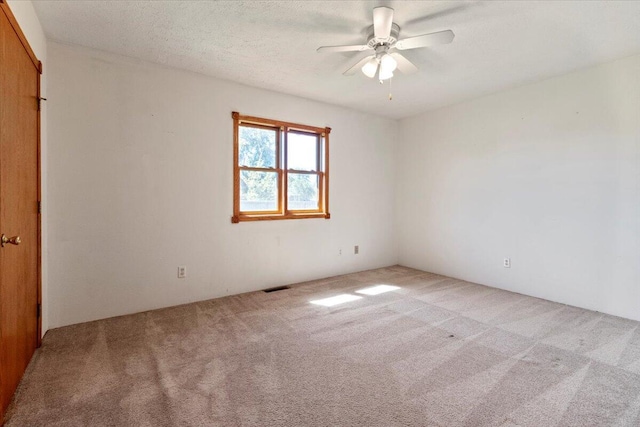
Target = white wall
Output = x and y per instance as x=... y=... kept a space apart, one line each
x=30 y=26
x=140 y=182
x=547 y=174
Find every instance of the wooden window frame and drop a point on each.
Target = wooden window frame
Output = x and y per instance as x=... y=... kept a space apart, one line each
x=281 y=168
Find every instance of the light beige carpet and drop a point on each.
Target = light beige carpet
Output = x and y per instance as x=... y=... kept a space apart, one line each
x=436 y=352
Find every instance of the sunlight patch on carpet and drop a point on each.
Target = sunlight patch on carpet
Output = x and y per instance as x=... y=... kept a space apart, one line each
x=378 y=289
x=338 y=299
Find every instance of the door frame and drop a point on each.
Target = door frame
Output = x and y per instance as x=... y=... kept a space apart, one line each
x=38 y=65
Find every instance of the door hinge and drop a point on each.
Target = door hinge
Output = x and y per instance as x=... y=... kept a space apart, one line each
x=40 y=102
x=39 y=310
x=39 y=207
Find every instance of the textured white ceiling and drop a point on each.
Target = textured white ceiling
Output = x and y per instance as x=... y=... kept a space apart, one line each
x=272 y=44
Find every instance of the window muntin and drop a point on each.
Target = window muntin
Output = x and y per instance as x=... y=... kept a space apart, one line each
x=280 y=170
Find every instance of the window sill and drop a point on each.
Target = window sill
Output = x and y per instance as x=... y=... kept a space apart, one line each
x=245 y=217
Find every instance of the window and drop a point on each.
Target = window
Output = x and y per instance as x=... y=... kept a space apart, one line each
x=281 y=170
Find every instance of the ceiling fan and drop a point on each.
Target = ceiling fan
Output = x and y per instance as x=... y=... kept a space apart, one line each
x=383 y=40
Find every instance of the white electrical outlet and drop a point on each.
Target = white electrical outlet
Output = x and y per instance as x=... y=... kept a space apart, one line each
x=182 y=272
x=339 y=251
x=356 y=249
x=506 y=263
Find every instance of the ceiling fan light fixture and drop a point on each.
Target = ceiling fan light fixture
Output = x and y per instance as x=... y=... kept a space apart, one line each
x=388 y=63
x=370 y=68
x=384 y=74
x=387 y=66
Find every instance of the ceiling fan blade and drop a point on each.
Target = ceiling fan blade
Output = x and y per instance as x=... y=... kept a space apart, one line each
x=404 y=65
x=382 y=21
x=358 y=65
x=432 y=39
x=352 y=48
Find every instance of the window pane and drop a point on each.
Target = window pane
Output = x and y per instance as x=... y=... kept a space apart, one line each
x=302 y=152
x=257 y=147
x=258 y=191
x=302 y=191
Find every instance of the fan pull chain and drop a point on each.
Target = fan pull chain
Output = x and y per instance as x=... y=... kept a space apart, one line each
x=390 y=96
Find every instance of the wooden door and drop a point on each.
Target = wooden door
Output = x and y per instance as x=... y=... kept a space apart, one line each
x=19 y=205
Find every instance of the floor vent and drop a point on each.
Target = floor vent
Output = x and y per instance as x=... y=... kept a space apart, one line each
x=277 y=288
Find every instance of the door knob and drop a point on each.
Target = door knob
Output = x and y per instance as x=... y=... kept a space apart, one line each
x=15 y=240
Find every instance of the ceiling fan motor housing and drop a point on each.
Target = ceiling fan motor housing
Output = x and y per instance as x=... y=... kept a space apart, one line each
x=373 y=42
